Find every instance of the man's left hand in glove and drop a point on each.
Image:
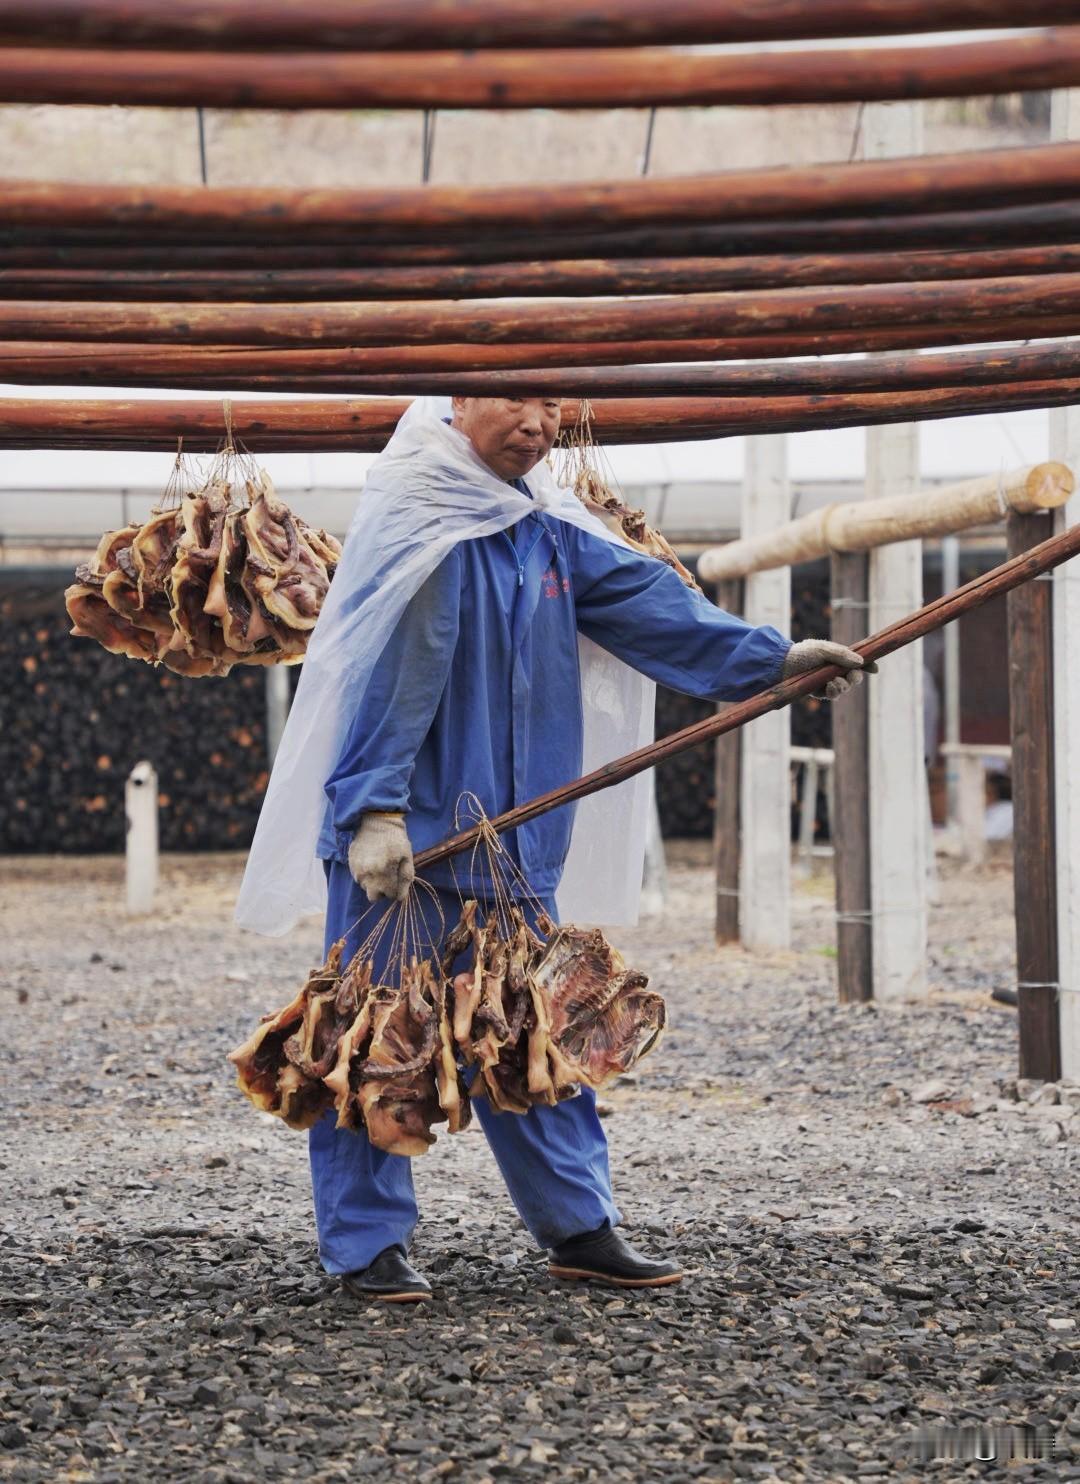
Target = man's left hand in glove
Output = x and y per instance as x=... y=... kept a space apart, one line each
x=812 y=654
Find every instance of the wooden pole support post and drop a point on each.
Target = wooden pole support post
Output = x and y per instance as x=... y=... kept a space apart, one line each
x=850 y=821
x=726 y=819
x=1031 y=724
x=1064 y=444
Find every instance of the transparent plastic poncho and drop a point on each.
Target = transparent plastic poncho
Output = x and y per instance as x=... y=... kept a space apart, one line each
x=425 y=492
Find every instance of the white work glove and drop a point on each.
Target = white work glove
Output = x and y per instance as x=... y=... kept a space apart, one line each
x=811 y=654
x=381 y=858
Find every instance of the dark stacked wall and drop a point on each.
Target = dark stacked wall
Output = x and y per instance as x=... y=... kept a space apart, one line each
x=76 y=719
x=685 y=785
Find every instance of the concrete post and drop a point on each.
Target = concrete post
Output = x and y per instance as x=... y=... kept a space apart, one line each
x=899 y=812
x=141 y=851
x=765 y=912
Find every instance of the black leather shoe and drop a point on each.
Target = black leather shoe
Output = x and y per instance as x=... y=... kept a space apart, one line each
x=388 y=1278
x=606 y=1257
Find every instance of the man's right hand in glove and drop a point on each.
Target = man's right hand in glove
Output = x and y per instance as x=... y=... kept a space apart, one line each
x=381 y=858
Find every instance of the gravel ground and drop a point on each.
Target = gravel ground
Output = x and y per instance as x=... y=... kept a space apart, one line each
x=880 y=1237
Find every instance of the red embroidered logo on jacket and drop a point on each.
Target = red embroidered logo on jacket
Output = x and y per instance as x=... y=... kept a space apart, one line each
x=553 y=585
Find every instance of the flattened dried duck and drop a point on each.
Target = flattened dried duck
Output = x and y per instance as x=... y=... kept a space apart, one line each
x=538 y=1015
x=289 y=578
x=539 y=1018
x=153 y=550
x=275 y=1081
x=195 y=590
x=197 y=553
x=96 y=604
x=385 y=1078
x=93 y=618
x=602 y=1015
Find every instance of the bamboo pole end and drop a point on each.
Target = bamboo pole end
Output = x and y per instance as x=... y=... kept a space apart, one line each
x=1047 y=487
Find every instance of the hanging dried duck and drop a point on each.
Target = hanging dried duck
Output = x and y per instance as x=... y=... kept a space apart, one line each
x=584 y=468
x=207 y=583
x=538 y=1014
x=267 y=1064
x=97 y=600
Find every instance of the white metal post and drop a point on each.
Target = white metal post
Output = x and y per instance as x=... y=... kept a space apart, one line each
x=899 y=812
x=972 y=807
x=654 y=881
x=808 y=813
x=141 y=850
x=1065 y=445
x=277 y=708
x=765 y=911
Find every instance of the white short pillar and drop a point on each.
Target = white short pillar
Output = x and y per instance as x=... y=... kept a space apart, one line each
x=765 y=913
x=1065 y=445
x=654 y=878
x=899 y=812
x=277 y=708
x=972 y=807
x=141 y=850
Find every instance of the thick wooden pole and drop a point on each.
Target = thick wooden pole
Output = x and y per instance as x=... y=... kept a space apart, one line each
x=389 y=25
x=641 y=77
x=1042 y=298
x=440 y=213
x=364 y=426
x=1031 y=732
x=396 y=369
x=727 y=817
x=896 y=636
x=128 y=246
x=765 y=866
x=861 y=525
x=694 y=275
x=850 y=820
x=1005 y=368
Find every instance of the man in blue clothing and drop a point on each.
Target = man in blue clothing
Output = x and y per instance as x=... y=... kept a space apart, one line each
x=478 y=689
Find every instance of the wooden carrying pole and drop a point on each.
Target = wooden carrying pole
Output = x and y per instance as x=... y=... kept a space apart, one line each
x=641 y=77
x=1040 y=297
x=127 y=246
x=695 y=275
x=864 y=524
x=388 y=25
x=1031 y=732
x=398 y=369
x=989 y=585
x=364 y=426
x=440 y=213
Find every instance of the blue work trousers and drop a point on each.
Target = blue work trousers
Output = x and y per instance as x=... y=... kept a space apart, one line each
x=554 y=1160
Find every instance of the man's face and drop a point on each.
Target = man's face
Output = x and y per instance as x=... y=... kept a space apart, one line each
x=510 y=434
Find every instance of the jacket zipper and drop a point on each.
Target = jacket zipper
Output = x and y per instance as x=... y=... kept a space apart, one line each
x=521 y=562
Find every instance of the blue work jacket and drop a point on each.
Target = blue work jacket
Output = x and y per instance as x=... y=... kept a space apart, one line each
x=479 y=686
